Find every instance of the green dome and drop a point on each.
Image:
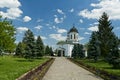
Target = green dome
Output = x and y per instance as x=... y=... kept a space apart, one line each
x=73 y=29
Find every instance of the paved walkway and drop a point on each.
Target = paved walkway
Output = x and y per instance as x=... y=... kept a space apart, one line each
x=63 y=69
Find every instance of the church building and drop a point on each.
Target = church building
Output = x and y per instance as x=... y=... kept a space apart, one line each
x=65 y=47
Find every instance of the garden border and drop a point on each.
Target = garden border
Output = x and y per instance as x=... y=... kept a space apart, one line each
x=101 y=73
x=38 y=72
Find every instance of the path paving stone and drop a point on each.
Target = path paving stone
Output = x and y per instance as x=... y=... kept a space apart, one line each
x=63 y=69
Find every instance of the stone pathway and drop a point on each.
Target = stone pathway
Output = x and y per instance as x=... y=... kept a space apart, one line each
x=63 y=69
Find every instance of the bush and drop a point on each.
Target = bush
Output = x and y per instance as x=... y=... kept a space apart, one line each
x=115 y=62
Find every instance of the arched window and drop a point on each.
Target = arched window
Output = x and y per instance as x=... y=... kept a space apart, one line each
x=71 y=36
x=74 y=36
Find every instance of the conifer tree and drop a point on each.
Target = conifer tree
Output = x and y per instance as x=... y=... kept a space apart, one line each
x=20 y=49
x=39 y=47
x=51 y=51
x=105 y=34
x=47 y=50
x=93 y=47
x=114 y=55
x=29 y=41
x=77 y=51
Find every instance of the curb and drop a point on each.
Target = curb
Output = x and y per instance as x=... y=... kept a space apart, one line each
x=38 y=72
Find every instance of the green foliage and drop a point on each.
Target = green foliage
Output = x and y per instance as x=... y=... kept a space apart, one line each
x=109 y=41
x=7 y=35
x=29 y=41
x=39 y=47
x=77 y=51
x=114 y=55
x=105 y=34
x=93 y=47
x=48 y=51
x=51 y=51
x=102 y=65
x=104 y=43
x=13 y=67
x=20 y=49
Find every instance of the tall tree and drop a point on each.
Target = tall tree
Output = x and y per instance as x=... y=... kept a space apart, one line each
x=20 y=49
x=39 y=47
x=47 y=50
x=7 y=35
x=51 y=51
x=29 y=41
x=77 y=51
x=93 y=47
x=114 y=55
x=105 y=34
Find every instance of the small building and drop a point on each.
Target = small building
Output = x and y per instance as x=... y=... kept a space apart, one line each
x=65 y=47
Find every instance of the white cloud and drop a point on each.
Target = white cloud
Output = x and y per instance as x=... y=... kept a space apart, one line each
x=27 y=19
x=58 y=20
x=81 y=21
x=82 y=28
x=93 y=28
x=43 y=37
x=81 y=38
x=55 y=16
x=72 y=10
x=61 y=30
x=12 y=9
x=111 y=7
x=57 y=37
x=39 y=20
x=22 y=29
x=60 y=11
x=35 y=37
x=53 y=27
x=95 y=23
x=38 y=27
x=87 y=33
x=47 y=24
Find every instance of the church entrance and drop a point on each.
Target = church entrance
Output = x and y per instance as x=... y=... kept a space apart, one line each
x=61 y=53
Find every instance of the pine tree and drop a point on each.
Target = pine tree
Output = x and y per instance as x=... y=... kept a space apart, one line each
x=105 y=34
x=29 y=41
x=51 y=51
x=93 y=47
x=47 y=50
x=20 y=49
x=7 y=35
x=39 y=47
x=114 y=55
x=77 y=51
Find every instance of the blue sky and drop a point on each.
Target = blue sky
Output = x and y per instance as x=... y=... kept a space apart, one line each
x=51 y=19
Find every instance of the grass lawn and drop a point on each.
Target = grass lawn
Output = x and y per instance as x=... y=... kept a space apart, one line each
x=12 y=67
x=102 y=65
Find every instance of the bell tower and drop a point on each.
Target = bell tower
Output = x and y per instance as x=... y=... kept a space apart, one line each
x=72 y=36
